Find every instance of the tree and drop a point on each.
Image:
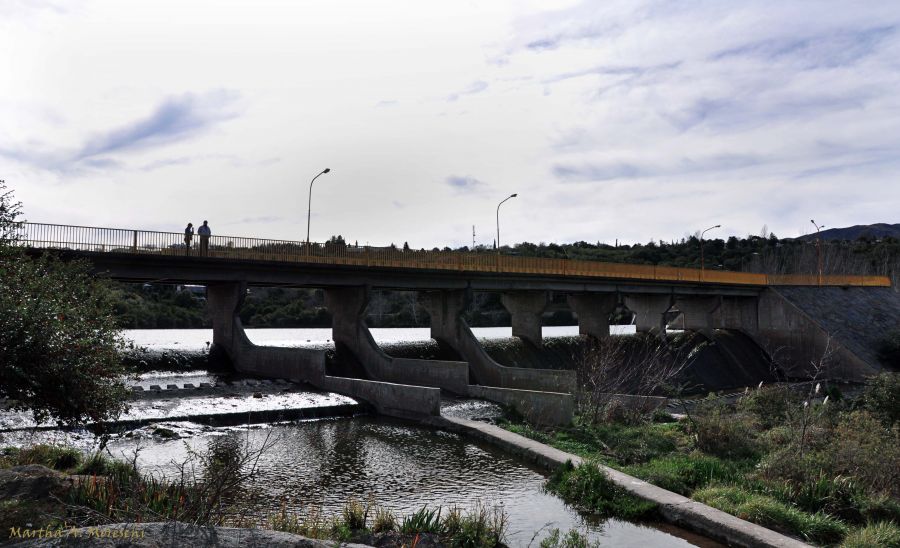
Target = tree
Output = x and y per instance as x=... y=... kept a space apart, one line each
x=59 y=345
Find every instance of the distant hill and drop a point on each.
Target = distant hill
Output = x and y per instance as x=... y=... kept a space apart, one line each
x=876 y=231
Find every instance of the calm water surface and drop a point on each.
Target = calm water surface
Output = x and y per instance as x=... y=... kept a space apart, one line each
x=322 y=464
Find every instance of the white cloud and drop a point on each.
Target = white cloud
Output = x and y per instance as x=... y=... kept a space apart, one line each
x=621 y=119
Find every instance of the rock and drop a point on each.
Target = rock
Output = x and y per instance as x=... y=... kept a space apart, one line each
x=31 y=482
x=257 y=394
x=166 y=535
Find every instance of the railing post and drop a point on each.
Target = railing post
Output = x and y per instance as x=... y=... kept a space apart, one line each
x=134 y=245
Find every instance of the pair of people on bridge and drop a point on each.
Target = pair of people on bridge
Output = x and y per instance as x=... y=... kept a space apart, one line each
x=204 y=232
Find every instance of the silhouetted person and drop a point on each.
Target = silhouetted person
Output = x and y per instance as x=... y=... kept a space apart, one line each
x=204 y=232
x=188 y=236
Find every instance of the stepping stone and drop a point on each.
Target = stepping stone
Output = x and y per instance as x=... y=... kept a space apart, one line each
x=155 y=387
x=251 y=383
x=205 y=385
x=137 y=388
x=171 y=387
x=189 y=386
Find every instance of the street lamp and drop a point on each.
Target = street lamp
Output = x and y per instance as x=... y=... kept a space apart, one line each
x=701 y=247
x=498 y=219
x=818 y=249
x=309 y=208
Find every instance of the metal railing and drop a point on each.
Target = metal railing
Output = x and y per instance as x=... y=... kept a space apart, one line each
x=143 y=242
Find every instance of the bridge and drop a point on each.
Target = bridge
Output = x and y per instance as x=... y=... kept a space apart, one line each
x=704 y=300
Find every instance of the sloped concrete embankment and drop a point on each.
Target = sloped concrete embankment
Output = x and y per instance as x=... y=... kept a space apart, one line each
x=843 y=327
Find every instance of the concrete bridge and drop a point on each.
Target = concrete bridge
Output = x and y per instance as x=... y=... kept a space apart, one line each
x=445 y=280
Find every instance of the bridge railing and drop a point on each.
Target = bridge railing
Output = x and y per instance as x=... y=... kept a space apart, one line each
x=143 y=242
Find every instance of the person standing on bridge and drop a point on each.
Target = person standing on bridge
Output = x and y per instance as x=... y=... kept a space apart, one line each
x=188 y=236
x=204 y=232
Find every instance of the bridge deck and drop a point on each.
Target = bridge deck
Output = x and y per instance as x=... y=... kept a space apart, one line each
x=144 y=243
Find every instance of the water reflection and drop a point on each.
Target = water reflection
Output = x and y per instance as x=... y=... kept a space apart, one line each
x=402 y=467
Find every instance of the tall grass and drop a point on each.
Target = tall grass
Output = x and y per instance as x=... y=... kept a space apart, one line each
x=589 y=488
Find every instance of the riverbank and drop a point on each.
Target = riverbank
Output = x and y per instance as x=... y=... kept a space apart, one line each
x=823 y=470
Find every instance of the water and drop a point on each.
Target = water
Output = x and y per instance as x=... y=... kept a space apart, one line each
x=403 y=467
x=196 y=339
x=323 y=464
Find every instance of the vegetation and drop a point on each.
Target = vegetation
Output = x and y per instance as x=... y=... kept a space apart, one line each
x=589 y=488
x=821 y=469
x=110 y=491
x=59 y=344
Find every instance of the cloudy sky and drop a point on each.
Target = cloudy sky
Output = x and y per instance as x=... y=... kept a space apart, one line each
x=631 y=120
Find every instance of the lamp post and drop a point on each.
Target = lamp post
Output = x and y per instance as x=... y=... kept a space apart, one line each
x=701 y=248
x=818 y=249
x=309 y=204
x=498 y=219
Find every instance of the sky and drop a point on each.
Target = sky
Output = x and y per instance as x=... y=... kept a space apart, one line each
x=613 y=121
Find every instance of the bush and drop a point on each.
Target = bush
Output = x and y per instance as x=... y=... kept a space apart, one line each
x=769 y=405
x=59 y=346
x=384 y=521
x=480 y=527
x=51 y=456
x=882 y=397
x=720 y=431
x=867 y=451
x=588 y=488
x=874 y=535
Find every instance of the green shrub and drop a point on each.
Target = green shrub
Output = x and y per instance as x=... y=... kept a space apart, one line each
x=882 y=396
x=684 y=473
x=51 y=456
x=588 y=488
x=720 y=431
x=479 y=527
x=874 y=535
x=769 y=405
x=880 y=508
x=422 y=521
x=768 y=512
x=865 y=450
x=355 y=514
x=384 y=521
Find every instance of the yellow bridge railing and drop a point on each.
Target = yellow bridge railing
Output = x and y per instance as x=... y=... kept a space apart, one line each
x=142 y=242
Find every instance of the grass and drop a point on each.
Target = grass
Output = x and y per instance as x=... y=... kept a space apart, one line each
x=683 y=473
x=769 y=512
x=588 y=488
x=875 y=535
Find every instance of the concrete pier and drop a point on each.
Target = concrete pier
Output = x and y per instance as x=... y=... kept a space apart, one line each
x=650 y=312
x=525 y=308
x=593 y=310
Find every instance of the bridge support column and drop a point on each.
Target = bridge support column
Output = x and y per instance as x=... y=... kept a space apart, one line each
x=593 y=310
x=352 y=336
x=224 y=302
x=697 y=313
x=526 y=308
x=650 y=312
x=449 y=328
